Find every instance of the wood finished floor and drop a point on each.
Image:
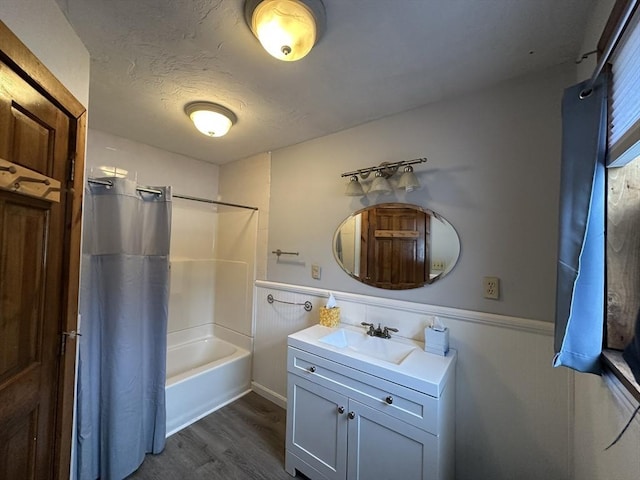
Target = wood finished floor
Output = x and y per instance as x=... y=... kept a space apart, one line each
x=243 y=440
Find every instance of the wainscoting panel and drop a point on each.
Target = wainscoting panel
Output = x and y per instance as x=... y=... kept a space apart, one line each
x=513 y=410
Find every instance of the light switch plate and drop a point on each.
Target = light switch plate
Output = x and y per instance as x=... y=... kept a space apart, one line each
x=316 y=271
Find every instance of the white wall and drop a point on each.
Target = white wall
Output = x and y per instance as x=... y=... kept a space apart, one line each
x=493 y=172
x=602 y=408
x=592 y=34
x=36 y=23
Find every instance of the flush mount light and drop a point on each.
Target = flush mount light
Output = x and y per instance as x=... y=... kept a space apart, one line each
x=287 y=29
x=210 y=118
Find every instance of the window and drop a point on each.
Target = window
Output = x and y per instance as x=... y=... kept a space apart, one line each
x=623 y=202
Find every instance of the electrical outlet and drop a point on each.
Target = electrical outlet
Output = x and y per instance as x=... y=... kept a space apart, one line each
x=315 y=271
x=491 y=287
x=437 y=265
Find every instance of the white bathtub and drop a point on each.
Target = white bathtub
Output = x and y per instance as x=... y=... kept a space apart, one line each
x=204 y=373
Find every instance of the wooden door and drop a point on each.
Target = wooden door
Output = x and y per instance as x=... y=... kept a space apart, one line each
x=41 y=131
x=396 y=254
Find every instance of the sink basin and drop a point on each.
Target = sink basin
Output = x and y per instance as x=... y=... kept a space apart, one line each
x=375 y=347
x=343 y=338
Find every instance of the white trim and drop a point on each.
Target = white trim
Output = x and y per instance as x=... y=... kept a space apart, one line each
x=538 y=327
x=623 y=396
x=269 y=395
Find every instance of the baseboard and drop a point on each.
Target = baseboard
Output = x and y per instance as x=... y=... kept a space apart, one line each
x=269 y=395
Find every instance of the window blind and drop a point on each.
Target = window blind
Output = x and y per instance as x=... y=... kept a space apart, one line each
x=624 y=135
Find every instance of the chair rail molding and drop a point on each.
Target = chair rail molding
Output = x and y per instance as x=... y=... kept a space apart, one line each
x=539 y=327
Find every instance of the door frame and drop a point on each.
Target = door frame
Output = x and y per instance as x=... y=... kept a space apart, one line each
x=24 y=63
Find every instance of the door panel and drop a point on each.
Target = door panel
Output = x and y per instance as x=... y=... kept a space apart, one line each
x=35 y=134
x=21 y=299
x=31 y=142
x=317 y=432
x=19 y=454
x=385 y=448
x=30 y=319
x=33 y=131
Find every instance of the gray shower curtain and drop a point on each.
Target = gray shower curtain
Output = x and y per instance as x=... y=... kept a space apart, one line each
x=124 y=308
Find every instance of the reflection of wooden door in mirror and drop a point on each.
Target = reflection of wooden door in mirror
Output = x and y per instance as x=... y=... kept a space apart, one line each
x=395 y=253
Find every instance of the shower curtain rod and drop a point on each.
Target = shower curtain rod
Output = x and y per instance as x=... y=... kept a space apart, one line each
x=620 y=28
x=175 y=195
x=215 y=202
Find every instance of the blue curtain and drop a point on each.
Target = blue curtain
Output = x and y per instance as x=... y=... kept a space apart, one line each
x=124 y=306
x=580 y=296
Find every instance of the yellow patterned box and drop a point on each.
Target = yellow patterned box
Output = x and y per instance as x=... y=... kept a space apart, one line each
x=330 y=317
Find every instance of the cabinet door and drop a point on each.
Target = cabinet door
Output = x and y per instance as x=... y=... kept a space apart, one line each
x=382 y=447
x=317 y=427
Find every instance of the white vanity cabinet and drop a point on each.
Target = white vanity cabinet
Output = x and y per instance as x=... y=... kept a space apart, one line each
x=353 y=418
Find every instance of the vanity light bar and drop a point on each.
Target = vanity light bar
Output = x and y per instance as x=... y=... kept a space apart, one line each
x=387 y=168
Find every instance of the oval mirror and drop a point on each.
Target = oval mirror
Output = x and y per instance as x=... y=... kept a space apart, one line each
x=396 y=246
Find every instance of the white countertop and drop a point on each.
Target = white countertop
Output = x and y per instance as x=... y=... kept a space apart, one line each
x=422 y=371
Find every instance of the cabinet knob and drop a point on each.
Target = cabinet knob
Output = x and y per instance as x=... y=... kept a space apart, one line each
x=351 y=415
x=389 y=399
x=341 y=410
x=312 y=369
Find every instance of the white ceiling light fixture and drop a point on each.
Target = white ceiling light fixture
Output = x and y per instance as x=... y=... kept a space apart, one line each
x=287 y=29
x=210 y=118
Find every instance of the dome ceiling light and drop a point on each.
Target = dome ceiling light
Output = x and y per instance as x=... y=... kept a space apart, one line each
x=287 y=29
x=210 y=118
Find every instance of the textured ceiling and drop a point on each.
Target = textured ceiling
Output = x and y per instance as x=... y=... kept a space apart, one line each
x=377 y=57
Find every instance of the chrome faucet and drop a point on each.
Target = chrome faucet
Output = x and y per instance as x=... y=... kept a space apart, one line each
x=382 y=332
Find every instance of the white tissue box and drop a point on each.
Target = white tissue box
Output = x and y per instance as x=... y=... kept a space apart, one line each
x=436 y=340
